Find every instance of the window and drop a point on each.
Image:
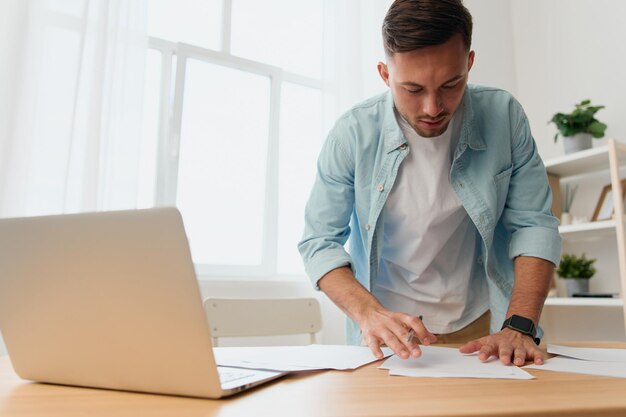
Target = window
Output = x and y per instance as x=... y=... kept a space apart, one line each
x=222 y=172
x=196 y=22
x=234 y=133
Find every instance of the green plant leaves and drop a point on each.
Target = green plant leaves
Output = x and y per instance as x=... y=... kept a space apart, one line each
x=596 y=129
x=580 y=120
x=572 y=266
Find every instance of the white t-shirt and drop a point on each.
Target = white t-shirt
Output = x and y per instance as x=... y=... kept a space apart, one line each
x=430 y=242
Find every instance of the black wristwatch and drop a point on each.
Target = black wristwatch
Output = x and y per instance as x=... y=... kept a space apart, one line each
x=522 y=325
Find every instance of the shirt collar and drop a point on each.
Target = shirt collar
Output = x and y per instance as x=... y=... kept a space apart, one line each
x=392 y=134
x=470 y=134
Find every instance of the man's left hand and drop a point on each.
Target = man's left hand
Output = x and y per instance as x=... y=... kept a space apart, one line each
x=509 y=345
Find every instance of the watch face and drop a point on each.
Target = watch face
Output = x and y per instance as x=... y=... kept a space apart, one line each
x=522 y=324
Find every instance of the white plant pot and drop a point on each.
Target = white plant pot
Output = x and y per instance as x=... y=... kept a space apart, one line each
x=574 y=286
x=578 y=142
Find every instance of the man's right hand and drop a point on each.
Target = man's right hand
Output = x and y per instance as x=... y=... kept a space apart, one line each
x=384 y=327
x=378 y=325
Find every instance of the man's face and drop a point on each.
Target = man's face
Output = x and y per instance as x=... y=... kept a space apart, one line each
x=427 y=84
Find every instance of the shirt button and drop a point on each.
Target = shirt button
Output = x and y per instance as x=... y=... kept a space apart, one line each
x=367 y=227
x=380 y=188
x=403 y=146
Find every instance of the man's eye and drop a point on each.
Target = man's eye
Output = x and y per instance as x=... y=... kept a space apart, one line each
x=414 y=91
x=450 y=86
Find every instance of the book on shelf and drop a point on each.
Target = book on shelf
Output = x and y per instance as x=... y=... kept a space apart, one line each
x=594 y=295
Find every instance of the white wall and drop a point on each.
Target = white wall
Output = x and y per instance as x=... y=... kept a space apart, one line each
x=492 y=42
x=566 y=51
x=552 y=54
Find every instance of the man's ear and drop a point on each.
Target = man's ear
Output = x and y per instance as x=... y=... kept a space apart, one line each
x=384 y=72
x=470 y=60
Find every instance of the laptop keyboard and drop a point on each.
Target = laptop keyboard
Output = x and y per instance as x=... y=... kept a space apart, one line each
x=233 y=374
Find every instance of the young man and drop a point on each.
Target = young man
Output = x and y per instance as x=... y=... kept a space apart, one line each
x=443 y=195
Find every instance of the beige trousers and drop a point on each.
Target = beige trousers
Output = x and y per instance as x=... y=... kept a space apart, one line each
x=475 y=330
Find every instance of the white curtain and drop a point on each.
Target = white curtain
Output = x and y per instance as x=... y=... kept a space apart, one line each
x=352 y=47
x=71 y=91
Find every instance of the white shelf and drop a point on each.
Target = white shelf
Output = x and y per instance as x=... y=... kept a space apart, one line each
x=587 y=230
x=609 y=160
x=582 y=162
x=584 y=302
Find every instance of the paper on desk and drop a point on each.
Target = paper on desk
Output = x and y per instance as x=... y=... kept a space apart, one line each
x=442 y=362
x=296 y=358
x=589 y=354
x=578 y=366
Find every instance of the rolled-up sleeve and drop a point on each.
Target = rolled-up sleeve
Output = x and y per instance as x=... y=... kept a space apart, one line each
x=328 y=212
x=527 y=213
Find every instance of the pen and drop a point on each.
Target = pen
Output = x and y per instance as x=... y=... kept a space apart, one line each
x=412 y=332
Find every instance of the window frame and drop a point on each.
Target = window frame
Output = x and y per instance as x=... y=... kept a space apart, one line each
x=169 y=131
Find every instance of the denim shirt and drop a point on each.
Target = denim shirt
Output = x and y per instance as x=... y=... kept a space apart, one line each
x=496 y=173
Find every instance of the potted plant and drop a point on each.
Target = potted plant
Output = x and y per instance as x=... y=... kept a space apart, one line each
x=579 y=126
x=576 y=271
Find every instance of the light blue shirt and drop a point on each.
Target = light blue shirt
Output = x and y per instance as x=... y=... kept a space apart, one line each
x=496 y=173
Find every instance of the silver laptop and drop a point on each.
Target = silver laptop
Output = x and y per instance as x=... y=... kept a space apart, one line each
x=109 y=300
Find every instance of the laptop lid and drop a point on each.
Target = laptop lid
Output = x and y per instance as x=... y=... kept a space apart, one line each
x=106 y=300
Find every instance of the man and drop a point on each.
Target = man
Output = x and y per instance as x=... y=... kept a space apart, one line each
x=448 y=202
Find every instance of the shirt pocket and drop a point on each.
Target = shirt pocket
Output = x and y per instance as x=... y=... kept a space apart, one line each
x=501 y=182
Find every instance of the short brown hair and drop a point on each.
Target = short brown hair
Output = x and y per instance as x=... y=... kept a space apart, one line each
x=414 y=24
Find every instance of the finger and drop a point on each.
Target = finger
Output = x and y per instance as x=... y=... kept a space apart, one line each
x=374 y=344
x=486 y=352
x=415 y=351
x=537 y=355
x=505 y=355
x=520 y=356
x=421 y=332
x=471 y=347
x=403 y=334
x=392 y=341
x=413 y=346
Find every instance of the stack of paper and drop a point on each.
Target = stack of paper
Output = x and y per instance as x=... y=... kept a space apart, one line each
x=591 y=361
x=296 y=358
x=442 y=362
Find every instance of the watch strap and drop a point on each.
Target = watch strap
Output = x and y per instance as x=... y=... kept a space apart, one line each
x=523 y=325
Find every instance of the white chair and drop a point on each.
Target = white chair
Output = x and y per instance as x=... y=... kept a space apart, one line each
x=263 y=317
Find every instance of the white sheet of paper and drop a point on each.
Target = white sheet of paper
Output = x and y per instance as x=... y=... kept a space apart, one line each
x=589 y=354
x=579 y=366
x=296 y=358
x=442 y=362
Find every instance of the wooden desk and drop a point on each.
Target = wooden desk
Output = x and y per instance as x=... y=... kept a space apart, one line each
x=365 y=392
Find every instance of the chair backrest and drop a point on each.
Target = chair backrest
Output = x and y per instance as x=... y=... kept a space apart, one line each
x=263 y=317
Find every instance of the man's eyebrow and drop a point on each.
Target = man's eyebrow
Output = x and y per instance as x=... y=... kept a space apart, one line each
x=413 y=84
x=453 y=79
x=410 y=84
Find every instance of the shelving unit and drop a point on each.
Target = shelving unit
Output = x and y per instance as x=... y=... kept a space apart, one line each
x=585 y=231
x=609 y=157
x=585 y=302
x=578 y=163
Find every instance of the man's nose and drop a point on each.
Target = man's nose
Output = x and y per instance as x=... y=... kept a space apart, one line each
x=432 y=105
